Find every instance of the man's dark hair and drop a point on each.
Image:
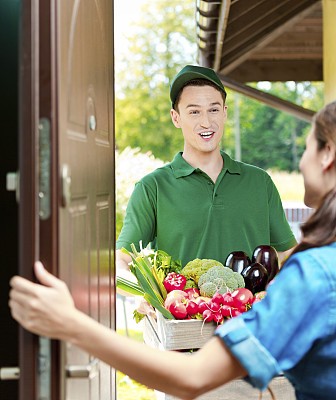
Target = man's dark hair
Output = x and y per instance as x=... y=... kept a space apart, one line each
x=197 y=82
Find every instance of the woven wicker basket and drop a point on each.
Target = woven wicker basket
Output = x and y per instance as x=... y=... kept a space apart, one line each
x=193 y=334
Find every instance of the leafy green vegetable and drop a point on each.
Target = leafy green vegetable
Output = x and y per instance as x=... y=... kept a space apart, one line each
x=219 y=279
x=152 y=301
x=197 y=267
x=129 y=286
x=150 y=281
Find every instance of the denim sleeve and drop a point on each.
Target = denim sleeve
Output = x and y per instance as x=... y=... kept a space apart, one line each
x=252 y=355
x=298 y=312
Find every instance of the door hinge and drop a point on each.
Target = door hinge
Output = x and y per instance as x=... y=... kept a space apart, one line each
x=9 y=373
x=13 y=184
x=88 y=371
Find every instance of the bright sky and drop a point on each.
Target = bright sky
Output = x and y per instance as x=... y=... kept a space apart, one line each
x=125 y=13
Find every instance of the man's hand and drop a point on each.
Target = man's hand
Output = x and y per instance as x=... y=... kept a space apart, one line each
x=123 y=270
x=122 y=261
x=44 y=309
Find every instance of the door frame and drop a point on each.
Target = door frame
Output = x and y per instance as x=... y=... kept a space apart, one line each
x=38 y=237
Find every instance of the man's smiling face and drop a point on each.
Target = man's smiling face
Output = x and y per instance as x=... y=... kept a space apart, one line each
x=201 y=116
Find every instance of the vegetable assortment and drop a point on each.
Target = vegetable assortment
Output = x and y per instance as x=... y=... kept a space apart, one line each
x=204 y=289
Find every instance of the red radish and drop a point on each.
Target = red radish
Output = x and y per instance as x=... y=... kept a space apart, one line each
x=217 y=298
x=226 y=310
x=227 y=299
x=174 y=281
x=178 y=310
x=207 y=316
x=202 y=306
x=192 y=308
x=214 y=307
x=174 y=295
x=218 y=318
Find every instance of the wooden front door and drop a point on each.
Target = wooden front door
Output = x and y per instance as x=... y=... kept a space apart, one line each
x=86 y=164
x=67 y=182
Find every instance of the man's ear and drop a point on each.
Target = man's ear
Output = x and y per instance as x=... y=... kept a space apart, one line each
x=175 y=118
x=329 y=156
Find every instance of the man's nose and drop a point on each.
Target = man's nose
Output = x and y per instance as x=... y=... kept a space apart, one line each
x=205 y=121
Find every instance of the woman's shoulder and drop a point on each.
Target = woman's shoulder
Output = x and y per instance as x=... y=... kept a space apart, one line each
x=317 y=261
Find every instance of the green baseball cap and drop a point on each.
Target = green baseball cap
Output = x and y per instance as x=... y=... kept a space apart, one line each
x=189 y=73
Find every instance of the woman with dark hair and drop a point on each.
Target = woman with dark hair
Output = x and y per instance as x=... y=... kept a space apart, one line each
x=292 y=330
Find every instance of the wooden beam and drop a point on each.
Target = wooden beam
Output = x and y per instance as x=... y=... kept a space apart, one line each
x=221 y=28
x=266 y=98
x=278 y=70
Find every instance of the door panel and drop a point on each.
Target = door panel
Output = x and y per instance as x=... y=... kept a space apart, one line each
x=86 y=150
x=66 y=84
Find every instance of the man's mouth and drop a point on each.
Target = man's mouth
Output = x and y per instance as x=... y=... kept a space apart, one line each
x=207 y=135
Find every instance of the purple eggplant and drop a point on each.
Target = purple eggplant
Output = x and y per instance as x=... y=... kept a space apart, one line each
x=237 y=261
x=268 y=257
x=255 y=277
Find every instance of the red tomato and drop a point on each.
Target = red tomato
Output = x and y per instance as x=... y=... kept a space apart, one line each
x=242 y=297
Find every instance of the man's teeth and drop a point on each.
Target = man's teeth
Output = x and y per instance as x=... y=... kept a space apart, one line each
x=206 y=134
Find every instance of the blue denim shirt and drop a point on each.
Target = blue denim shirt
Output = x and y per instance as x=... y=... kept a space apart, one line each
x=293 y=329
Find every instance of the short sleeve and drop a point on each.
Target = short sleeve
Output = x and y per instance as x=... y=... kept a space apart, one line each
x=140 y=219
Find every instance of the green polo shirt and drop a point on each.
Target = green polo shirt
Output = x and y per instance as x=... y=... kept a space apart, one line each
x=189 y=216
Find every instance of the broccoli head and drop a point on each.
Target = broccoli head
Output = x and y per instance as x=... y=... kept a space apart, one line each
x=191 y=284
x=219 y=279
x=197 y=267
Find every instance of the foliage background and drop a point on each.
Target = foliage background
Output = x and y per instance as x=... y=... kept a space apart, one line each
x=162 y=41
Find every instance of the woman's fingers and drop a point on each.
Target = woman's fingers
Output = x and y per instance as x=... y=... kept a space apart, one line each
x=40 y=307
x=45 y=277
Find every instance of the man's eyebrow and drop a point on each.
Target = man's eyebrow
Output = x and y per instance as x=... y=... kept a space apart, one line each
x=216 y=103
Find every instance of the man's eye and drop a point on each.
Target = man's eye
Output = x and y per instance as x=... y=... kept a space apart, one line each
x=214 y=110
x=193 y=112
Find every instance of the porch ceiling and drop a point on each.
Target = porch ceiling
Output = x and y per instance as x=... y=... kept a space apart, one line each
x=257 y=40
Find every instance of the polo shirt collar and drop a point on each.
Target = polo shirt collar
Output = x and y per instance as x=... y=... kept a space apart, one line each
x=181 y=168
x=230 y=165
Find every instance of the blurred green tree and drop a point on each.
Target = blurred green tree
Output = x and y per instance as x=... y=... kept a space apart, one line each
x=163 y=42
x=272 y=139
